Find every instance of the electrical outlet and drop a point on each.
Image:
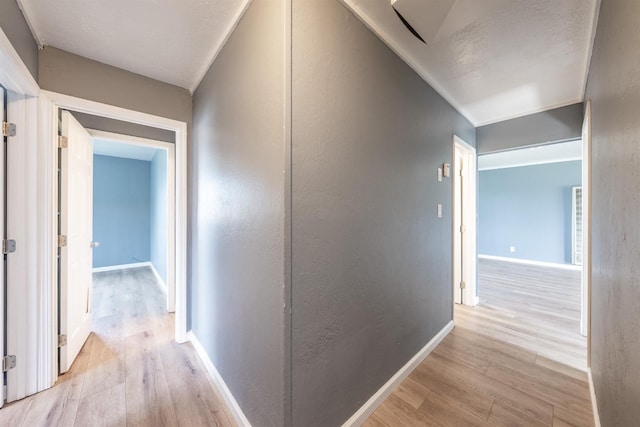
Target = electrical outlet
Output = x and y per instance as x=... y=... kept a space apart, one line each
x=512 y=249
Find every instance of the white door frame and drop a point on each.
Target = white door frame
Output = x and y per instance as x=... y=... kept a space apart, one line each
x=169 y=148
x=585 y=316
x=469 y=191
x=51 y=102
x=27 y=281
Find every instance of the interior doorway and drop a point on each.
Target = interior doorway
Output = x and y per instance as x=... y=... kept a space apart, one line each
x=119 y=212
x=464 y=223
x=531 y=232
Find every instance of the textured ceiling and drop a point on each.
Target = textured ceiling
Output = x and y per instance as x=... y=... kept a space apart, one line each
x=169 y=40
x=492 y=59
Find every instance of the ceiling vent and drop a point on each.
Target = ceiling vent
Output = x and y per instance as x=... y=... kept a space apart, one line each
x=423 y=18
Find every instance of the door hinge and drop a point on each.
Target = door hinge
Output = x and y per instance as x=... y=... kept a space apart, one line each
x=463 y=285
x=461 y=172
x=63 y=142
x=8 y=362
x=8 y=129
x=62 y=240
x=62 y=340
x=8 y=246
x=462 y=229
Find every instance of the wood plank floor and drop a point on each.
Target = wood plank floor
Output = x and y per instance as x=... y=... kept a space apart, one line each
x=506 y=363
x=475 y=380
x=536 y=308
x=130 y=372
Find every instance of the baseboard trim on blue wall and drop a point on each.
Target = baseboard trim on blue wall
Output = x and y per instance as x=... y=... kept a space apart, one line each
x=161 y=284
x=594 y=402
x=531 y=262
x=376 y=400
x=223 y=390
x=122 y=266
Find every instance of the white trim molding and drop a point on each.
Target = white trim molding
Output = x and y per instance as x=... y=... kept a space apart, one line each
x=14 y=75
x=531 y=262
x=159 y=280
x=217 y=47
x=594 y=401
x=122 y=266
x=224 y=391
x=376 y=400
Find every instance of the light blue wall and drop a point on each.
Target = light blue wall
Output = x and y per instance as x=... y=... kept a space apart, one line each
x=158 y=218
x=528 y=207
x=121 y=210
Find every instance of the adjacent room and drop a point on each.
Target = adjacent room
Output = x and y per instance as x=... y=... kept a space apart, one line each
x=530 y=251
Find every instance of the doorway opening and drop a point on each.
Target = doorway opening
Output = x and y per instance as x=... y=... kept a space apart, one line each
x=530 y=240
x=119 y=190
x=50 y=127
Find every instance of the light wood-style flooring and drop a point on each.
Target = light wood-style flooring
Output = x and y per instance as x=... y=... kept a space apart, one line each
x=130 y=372
x=532 y=307
x=510 y=361
x=474 y=380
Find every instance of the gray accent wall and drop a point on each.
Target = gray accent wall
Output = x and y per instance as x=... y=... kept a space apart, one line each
x=64 y=72
x=530 y=208
x=158 y=216
x=17 y=30
x=555 y=125
x=121 y=205
x=614 y=88
x=237 y=298
x=371 y=278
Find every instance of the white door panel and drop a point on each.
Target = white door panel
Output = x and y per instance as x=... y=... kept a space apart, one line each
x=76 y=223
x=3 y=350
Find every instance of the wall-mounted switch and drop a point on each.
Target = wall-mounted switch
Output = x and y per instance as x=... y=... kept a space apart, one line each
x=439 y=210
x=439 y=174
x=512 y=249
x=446 y=170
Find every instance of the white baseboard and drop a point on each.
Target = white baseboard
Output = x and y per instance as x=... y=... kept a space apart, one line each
x=122 y=266
x=372 y=404
x=224 y=391
x=161 y=284
x=594 y=402
x=531 y=262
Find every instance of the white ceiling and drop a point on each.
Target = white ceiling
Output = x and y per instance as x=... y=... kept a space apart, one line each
x=492 y=59
x=551 y=153
x=169 y=40
x=105 y=147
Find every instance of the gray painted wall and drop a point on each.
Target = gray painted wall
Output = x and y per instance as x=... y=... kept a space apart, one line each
x=548 y=126
x=17 y=30
x=371 y=278
x=528 y=207
x=614 y=88
x=158 y=213
x=121 y=206
x=64 y=72
x=90 y=121
x=237 y=301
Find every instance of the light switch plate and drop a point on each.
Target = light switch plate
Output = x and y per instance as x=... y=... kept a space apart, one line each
x=439 y=210
x=439 y=174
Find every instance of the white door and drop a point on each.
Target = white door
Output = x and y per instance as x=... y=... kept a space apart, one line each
x=458 y=242
x=3 y=193
x=464 y=223
x=76 y=223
